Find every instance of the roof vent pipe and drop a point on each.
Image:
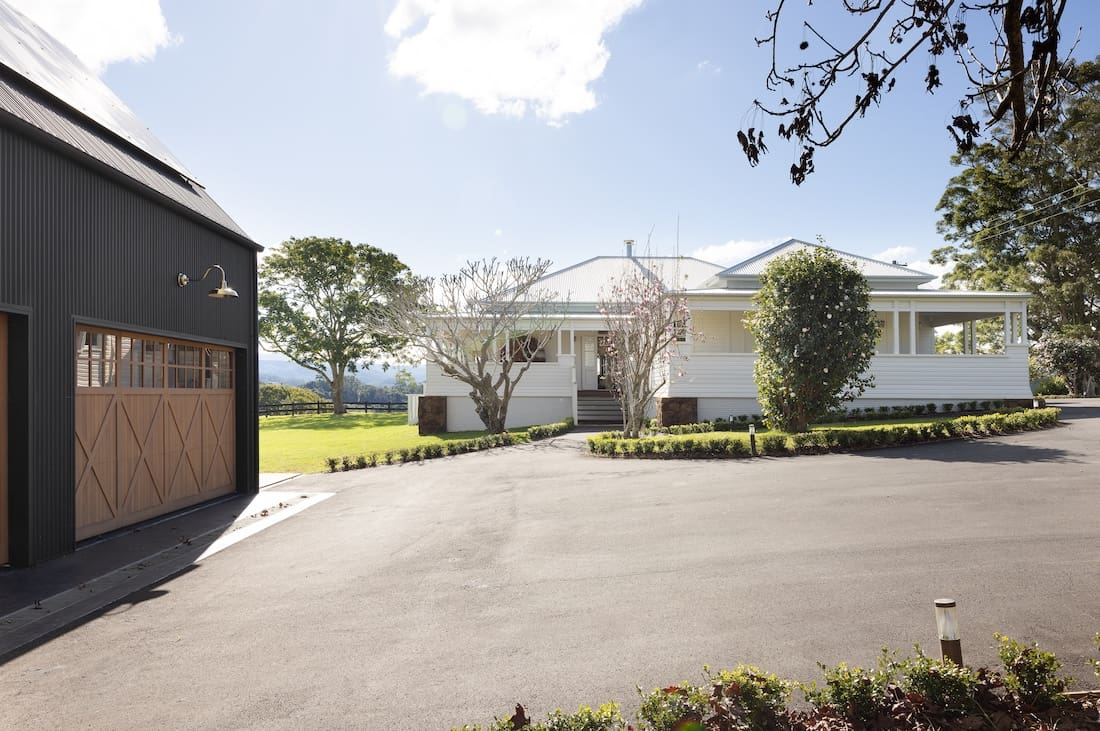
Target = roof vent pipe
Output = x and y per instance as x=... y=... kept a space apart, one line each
x=629 y=248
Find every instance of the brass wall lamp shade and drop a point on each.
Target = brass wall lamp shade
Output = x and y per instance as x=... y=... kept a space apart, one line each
x=219 y=292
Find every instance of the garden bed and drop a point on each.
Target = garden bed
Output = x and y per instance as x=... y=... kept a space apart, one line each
x=916 y=692
x=702 y=441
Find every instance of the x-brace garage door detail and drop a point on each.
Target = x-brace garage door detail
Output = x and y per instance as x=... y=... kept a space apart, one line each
x=155 y=427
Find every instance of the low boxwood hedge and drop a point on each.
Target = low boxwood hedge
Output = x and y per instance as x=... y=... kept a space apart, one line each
x=447 y=449
x=705 y=442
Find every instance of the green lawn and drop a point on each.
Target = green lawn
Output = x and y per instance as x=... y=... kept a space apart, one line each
x=301 y=443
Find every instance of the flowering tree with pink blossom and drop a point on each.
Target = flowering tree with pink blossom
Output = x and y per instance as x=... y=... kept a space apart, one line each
x=815 y=335
x=644 y=323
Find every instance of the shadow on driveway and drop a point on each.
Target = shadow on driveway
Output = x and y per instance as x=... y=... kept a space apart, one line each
x=974 y=451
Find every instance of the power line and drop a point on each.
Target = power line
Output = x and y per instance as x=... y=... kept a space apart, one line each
x=1045 y=218
x=1035 y=208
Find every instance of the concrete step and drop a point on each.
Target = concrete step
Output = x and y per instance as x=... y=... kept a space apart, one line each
x=598 y=409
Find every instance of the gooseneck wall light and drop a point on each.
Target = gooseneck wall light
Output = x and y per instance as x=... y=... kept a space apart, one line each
x=220 y=292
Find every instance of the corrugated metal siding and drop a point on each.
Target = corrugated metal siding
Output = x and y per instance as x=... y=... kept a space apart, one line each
x=75 y=246
x=89 y=139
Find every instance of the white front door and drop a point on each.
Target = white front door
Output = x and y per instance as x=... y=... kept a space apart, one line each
x=588 y=362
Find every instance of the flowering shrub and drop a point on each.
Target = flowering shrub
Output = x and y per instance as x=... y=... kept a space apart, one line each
x=643 y=321
x=815 y=333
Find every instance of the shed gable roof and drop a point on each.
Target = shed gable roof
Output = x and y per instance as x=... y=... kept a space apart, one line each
x=44 y=86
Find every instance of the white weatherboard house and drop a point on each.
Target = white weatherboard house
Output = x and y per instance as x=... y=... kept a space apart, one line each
x=716 y=369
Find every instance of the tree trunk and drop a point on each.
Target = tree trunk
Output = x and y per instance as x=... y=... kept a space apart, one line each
x=338 y=391
x=490 y=408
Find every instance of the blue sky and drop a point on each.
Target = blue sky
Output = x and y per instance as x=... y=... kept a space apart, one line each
x=444 y=131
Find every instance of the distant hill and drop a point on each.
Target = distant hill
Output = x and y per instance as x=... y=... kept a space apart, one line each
x=276 y=369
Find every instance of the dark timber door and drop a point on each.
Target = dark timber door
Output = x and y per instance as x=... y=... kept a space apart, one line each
x=155 y=427
x=3 y=438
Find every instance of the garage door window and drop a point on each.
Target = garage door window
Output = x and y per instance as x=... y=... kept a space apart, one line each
x=106 y=359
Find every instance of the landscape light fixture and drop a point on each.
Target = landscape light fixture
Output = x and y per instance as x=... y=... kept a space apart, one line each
x=220 y=292
x=947 y=627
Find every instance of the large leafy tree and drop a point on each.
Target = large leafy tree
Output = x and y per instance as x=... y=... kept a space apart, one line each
x=644 y=322
x=815 y=335
x=1031 y=222
x=1073 y=356
x=825 y=73
x=281 y=393
x=483 y=326
x=318 y=298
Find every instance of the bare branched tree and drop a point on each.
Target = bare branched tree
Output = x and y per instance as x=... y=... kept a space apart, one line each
x=1017 y=74
x=644 y=323
x=483 y=326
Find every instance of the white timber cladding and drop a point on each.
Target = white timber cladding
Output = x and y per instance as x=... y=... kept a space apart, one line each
x=542 y=379
x=921 y=377
x=522 y=411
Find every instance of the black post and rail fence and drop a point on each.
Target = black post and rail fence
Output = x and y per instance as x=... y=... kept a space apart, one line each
x=325 y=407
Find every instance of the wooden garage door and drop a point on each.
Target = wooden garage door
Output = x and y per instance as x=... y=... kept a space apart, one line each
x=155 y=427
x=3 y=438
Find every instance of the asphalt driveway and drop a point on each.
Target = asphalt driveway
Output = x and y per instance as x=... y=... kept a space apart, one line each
x=426 y=596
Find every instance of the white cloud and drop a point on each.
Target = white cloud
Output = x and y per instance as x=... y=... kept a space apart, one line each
x=900 y=254
x=498 y=233
x=706 y=66
x=506 y=57
x=735 y=250
x=907 y=255
x=101 y=33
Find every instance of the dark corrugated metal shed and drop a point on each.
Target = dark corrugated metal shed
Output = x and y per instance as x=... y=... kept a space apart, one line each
x=95 y=222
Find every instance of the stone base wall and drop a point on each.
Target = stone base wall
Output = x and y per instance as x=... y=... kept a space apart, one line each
x=432 y=415
x=673 y=411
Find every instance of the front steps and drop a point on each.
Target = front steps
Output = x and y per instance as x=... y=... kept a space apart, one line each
x=598 y=407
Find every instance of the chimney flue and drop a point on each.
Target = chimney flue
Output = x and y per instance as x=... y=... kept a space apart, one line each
x=629 y=247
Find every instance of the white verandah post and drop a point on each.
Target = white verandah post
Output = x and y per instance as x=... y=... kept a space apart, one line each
x=897 y=330
x=912 y=329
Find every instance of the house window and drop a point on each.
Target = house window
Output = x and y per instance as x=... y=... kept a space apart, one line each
x=523 y=350
x=680 y=330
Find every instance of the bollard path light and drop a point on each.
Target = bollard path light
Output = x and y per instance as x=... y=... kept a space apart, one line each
x=947 y=627
x=752 y=439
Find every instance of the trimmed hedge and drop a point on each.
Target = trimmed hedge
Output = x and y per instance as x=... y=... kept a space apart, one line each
x=821 y=441
x=544 y=431
x=447 y=449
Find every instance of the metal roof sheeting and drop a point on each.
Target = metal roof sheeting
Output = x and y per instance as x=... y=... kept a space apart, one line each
x=589 y=281
x=43 y=85
x=871 y=268
x=47 y=63
x=90 y=140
